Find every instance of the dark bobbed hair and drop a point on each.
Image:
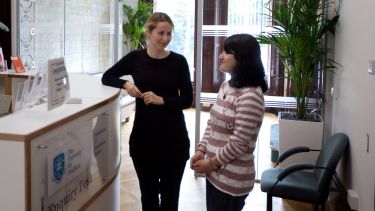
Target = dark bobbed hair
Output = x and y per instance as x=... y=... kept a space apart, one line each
x=249 y=70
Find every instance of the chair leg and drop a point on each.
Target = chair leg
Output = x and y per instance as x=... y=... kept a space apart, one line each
x=316 y=207
x=319 y=207
x=269 y=202
x=323 y=206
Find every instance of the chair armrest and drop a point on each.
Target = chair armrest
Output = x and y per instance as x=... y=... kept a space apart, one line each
x=291 y=152
x=293 y=168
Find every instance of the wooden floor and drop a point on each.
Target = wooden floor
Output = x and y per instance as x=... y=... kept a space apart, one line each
x=192 y=194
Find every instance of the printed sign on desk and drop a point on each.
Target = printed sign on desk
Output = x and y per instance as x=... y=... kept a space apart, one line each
x=67 y=160
x=58 y=83
x=64 y=163
x=100 y=144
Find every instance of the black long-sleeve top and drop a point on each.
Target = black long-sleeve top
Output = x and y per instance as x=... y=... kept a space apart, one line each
x=159 y=131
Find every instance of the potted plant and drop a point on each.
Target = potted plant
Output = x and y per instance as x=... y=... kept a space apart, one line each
x=298 y=32
x=133 y=26
x=3 y=27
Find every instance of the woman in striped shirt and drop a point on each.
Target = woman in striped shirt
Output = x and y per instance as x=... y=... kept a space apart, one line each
x=225 y=153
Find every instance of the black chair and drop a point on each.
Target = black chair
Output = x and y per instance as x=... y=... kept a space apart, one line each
x=295 y=183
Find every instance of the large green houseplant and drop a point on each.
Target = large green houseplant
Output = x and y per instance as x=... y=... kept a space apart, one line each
x=3 y=27
x=133 y=25
x=298 y=31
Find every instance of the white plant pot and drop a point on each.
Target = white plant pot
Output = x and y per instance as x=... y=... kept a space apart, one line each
x=294 y=133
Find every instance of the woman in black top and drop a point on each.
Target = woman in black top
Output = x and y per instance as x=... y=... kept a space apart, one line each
x=159 y=143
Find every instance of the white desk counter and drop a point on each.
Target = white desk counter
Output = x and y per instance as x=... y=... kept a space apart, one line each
x=64 y=159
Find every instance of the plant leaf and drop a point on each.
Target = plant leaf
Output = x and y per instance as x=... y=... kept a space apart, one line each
x=3 y=27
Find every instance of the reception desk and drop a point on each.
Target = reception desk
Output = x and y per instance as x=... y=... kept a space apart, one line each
x=64 y=159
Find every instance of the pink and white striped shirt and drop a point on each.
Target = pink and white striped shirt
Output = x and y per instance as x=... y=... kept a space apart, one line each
x=231 y=134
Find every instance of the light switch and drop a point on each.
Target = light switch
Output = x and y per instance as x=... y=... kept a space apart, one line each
x=371 y=67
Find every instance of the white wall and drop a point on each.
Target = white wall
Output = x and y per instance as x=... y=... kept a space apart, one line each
x=353 y=100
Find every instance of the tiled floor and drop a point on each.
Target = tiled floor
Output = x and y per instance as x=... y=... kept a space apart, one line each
x=192 y=194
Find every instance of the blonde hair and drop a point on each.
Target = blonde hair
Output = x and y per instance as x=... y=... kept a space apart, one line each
x=154 y=19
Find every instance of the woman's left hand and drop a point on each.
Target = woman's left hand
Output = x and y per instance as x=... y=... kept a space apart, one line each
x=152 y=98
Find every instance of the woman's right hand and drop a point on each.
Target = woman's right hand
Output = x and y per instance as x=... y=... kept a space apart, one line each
x=132 y=89
x=199 y=155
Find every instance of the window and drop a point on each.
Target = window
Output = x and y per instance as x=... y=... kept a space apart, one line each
x=80 y=31
x=246 y=16
x=182 y=13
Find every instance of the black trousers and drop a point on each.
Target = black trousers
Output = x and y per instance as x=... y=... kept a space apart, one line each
x=159 y=183
x=217 y=200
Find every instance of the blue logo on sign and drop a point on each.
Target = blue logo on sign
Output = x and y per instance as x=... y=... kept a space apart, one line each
x=59 y=166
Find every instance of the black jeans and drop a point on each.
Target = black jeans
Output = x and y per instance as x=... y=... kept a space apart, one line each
x=217 y=200
x=159 y=178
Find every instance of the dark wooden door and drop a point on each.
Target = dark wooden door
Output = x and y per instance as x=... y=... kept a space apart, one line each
x=5 y=37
